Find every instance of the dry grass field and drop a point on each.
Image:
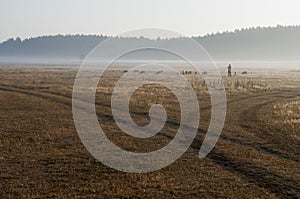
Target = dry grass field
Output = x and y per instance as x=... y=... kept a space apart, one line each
x=257 y=155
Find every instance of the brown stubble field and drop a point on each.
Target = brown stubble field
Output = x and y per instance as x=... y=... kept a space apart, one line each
x=42 y=156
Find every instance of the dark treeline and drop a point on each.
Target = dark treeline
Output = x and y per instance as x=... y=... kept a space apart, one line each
x=51 y=46
x=270 y=43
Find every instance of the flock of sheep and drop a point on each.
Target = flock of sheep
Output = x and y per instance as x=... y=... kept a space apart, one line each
x=184 y=72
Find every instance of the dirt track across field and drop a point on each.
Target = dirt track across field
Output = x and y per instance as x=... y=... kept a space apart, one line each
x=41 y=155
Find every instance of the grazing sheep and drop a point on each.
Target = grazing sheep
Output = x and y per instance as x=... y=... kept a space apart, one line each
x=185 y=72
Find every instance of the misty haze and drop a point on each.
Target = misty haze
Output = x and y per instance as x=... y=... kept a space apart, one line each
x=94 y=103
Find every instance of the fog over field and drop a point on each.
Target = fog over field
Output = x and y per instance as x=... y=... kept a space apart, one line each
x=275 y=47
x=149 y=99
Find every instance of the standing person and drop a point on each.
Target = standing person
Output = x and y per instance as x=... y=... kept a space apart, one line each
x=229 y=70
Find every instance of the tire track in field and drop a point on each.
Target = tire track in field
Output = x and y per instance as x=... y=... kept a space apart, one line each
x=273 y=182
x=281 y=186
x=249 y=121
x=278 y=184
x=67 y=100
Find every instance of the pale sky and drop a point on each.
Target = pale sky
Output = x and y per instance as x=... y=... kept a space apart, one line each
x=30 y=18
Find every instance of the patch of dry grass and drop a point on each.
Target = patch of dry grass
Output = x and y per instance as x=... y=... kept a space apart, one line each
x=42 y=156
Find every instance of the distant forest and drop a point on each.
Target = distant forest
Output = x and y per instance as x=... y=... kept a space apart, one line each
x=268 y=43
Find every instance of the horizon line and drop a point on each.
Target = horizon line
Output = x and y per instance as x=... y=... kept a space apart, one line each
x=184 y=36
